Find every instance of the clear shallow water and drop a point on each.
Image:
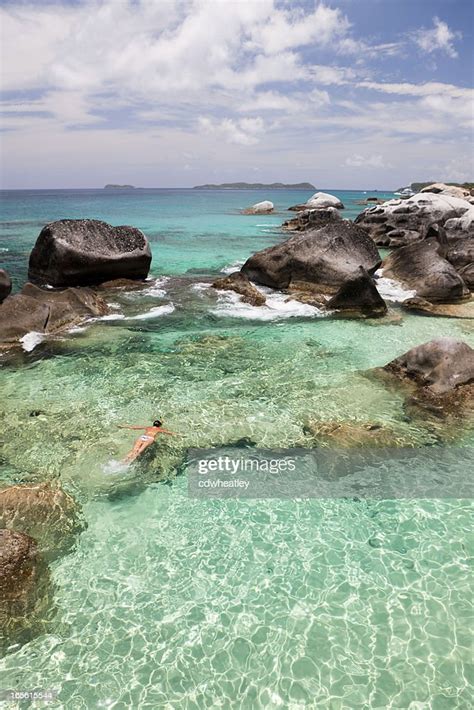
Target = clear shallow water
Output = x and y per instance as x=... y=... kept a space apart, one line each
x=170 y=602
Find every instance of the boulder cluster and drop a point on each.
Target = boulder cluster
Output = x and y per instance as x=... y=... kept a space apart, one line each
x=331 y=262
x=70 y=261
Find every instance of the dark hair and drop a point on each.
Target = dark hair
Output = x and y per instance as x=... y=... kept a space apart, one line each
x=157 y=422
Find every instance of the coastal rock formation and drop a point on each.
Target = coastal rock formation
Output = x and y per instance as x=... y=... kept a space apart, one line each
x=439 y=366
x=239 y=283
x=37 y=310
x=460 y=240
x=393 y=223
x=311 y=219
x=82 y=252
x=5 y=285
x=440 y=188
x=43 y=511
x=359 y=295
x=422 y=267
x=323 y=258
x=320 y=200
x=25 y=588
x=265 y=207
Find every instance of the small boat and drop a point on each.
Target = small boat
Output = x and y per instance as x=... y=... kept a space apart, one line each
x=406 y=192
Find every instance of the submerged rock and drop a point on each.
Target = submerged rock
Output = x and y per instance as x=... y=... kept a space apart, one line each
x=349 y=434
x=440 y=365
x=128 y=284
x=325 y=258
x=82 y=252
x=45 y=311
x=5 y=285
x=311 y=219
x=422 y=267
x=359 y=296
x=25 y=588
x=265 y=207
x=43 y=511
x=239 y=283
x=445 y=310
x=320 y=200
x=393 y=223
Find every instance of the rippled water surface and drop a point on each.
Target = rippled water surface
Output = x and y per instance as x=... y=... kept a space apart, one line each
x=170 y=602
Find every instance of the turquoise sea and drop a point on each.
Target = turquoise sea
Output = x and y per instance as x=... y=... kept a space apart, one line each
x=175 y=603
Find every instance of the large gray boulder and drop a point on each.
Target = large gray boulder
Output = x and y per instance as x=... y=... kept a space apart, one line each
x=5 y=285
x=396 y=222
x=422 y=267
x=81 y=252
x=440 y=365
x=311 y=219
x=45 y=311
x=324 y=258
x=359 y=296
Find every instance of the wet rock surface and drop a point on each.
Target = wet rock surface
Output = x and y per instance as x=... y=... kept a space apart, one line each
x=239 y=283
x=46 y=311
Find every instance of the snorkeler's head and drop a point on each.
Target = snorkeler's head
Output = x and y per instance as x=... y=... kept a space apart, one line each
x=157 y=423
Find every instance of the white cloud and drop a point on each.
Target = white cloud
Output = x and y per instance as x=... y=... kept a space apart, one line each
x=286 y=29
x=349 y=45
x=438 y=39
x=371 y=161
x=245 y=131
x=429 y=88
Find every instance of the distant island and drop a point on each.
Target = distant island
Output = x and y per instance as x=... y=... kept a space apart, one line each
x=256 y=186
x=119 y=187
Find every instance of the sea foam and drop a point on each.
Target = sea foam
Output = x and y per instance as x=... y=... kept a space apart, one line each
x=278 y=306
x=392 y=290
x=31 y=340
x=154 y=312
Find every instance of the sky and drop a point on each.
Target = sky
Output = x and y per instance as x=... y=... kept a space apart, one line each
x=359 y=94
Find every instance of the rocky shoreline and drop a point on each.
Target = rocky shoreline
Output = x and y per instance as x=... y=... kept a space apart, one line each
x=326 y=261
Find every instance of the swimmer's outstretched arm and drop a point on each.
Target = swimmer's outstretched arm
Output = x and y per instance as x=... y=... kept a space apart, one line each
x=127 y=426
x=165 y=431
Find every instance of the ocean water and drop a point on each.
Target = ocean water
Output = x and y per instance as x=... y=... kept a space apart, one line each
x=171 y=602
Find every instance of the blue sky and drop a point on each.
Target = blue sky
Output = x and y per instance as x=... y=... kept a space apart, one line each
x=164 y=93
